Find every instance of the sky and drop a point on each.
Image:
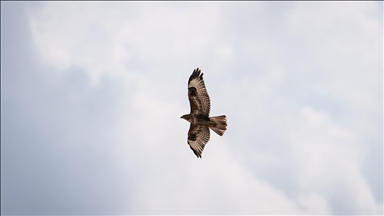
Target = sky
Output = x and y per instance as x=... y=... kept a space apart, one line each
x=92 y=94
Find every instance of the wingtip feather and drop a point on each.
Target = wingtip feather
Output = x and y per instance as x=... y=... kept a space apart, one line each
x=196 y=74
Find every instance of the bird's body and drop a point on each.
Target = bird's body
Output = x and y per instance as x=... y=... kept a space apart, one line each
x=199 y=119
x=199 y=134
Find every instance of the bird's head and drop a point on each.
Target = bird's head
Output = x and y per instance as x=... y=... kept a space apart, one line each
x=186 y=116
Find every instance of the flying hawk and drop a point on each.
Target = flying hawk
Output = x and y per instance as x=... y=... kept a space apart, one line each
x=198 y=134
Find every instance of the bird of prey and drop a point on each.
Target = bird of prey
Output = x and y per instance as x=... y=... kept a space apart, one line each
x=199 y=134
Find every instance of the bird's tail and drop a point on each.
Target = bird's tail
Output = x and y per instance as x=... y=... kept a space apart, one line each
x=220 y=124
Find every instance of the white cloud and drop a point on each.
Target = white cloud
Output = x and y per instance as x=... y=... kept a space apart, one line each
x=216 y=185
x=314 y=203
x=329 y=160
x=344 y=42
x=119 y=38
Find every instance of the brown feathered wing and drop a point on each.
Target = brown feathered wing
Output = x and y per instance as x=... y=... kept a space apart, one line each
x=197 y=94
x=198 y=136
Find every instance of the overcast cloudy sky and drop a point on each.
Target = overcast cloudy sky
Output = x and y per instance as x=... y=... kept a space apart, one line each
x=92 y=94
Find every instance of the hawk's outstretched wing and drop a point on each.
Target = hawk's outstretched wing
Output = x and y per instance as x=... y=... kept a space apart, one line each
x=197 y=94
x=198 y=136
